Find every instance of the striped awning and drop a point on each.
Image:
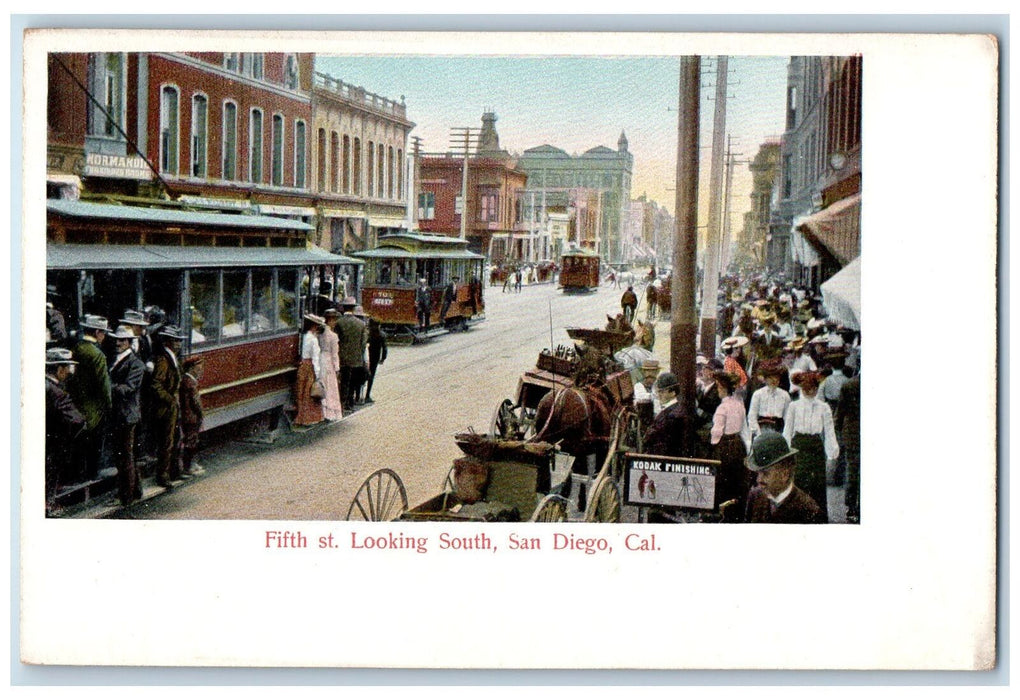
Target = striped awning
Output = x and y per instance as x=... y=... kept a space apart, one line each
x=836 y=229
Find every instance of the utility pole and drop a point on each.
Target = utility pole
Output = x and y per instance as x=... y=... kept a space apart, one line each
x=683 y=326
x=710 y=285
x=464 y=137
x=415 y=179
x=724 y=253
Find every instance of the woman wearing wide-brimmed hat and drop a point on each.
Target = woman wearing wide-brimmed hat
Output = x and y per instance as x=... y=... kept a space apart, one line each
x=809 y=428
x=731 y=439
x=309 y=406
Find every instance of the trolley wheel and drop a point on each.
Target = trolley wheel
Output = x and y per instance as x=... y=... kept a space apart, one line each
x=604 y=502
x=381 y=497
x=551 y=509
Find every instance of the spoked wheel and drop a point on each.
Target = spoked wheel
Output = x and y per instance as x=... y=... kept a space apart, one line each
x=381 y=497
x=604 y=503
x=551 y=509
x=506 y=423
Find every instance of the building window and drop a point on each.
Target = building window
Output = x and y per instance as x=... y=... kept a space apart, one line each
x=235 y=304
x=400 y=174
x=107 y=83
x=232 y=61
x=347 y=164
x=199 y=135
x=252 y=65
x=488 y=204
x=255 y=141
x=334 y=162
x=292 y=76
x=277 y=165
x=320 y=154
x=357 y=166
x=791 y=107
x=229 y=141
x=380 y=170
x=426 y=206
x=371 y=168
x=169 y=124
x=300 y=149
x=389 y=172
x=204 y=290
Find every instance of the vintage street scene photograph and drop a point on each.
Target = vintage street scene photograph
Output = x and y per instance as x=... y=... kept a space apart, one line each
x=305 y=286
x=362 y=345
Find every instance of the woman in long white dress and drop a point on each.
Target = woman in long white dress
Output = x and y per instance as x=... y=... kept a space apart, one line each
x=309 y=407
x=329 y=361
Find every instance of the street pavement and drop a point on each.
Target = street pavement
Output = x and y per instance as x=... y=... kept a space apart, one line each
x=424 y=394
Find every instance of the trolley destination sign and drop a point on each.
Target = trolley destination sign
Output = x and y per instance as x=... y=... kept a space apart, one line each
x=669 y=482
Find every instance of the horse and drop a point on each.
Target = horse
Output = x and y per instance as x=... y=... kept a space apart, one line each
x=644 y=335
x=619 y=324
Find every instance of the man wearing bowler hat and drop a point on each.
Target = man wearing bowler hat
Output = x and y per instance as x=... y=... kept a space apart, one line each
x=126 y=375
x=353 y=335
x=776 y=499
x=670 y=433
x=89 y=388
x=166 y=405
x=63 y=420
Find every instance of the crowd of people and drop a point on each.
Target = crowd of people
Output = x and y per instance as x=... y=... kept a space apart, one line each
x=120 y=396
x=778 y=407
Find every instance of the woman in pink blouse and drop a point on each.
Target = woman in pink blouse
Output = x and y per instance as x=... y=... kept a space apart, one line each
x=731 y=440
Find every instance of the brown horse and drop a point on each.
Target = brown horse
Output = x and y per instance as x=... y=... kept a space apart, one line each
x=644 y=335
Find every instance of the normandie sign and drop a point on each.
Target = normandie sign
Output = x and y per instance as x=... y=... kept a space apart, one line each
x=103 y=165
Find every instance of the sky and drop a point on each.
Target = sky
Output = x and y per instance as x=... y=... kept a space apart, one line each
x=579 y=102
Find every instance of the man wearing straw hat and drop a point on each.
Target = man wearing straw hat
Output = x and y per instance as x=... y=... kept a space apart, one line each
x=126 y=375
x=89 y=388
x=166 y=386
x=64 y=422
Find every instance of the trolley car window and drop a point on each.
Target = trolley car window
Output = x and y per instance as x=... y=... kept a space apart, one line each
x=235 y=304
x=286 y=306
x=262 y=301
x=205 y=305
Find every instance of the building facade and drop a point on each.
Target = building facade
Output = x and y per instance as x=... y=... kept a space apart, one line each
x=359 y=163
x=753 y=245
x=815 y=224
x=600 y=169
x=495 y=221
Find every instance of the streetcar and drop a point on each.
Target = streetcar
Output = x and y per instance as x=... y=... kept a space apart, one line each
x=394 y=268
x=579 y=271
x=236 y=284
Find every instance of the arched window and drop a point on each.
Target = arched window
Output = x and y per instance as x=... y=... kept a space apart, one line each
x=320 y=155
x=277 y=164
x=199 y=135
x=347 y=164
x=380 y=170
x=389 y=172
x=371 y=169
x=169 y=129
x=229 y=141
x=300 y=151
x=292 y=73
x=334 y=162
x=357 y=166
x=400 y=174
x=255 y=142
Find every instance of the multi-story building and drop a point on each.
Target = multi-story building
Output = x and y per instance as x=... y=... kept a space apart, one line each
x=648 y=232
x=360 y=165
x=495 y=223
x=600 y=169
x=752 y=246
x=815 y=224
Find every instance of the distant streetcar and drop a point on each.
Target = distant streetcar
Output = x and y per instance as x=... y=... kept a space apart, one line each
x=579 y=271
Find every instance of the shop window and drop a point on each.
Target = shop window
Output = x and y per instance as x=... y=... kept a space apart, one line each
x=286 y=304
x=262 y=302
x=235 y=305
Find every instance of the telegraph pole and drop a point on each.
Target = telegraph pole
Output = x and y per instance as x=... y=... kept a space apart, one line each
x=724 y=253
x=464 y=137
x=683 y=326
x=710 y=286
x=415 y=178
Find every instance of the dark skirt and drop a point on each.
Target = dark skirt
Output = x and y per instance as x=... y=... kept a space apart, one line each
x=733 y=481
x=309 y=407
x=810 y=470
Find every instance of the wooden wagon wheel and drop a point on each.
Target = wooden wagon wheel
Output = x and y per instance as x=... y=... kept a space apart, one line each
x=604 y=503
x=551 y=509
x=505 y=423
x=381 y=497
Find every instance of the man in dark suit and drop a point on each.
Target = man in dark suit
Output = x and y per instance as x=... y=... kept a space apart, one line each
x=166 y=406
x=353 y=335
x=126 y=375
x=89 y=388
x=64 y=422
x=449 y=297
x=670 y=433
x=776 y=499
x=423 y=304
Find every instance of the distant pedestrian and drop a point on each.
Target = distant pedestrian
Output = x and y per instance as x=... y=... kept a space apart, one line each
x=192 y=416
x=629 y=303
x=126 y=376
x=377 y=352
x=518 y=277
x=360 y=373
x=449 y=297
x=652 y=300
x=422 y=305
x=64 y=422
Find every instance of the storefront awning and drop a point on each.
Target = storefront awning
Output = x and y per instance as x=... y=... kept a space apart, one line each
x=401 y=254
x=84 y=256
x=117 y=212
x=841 y=295
x=837 y=229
